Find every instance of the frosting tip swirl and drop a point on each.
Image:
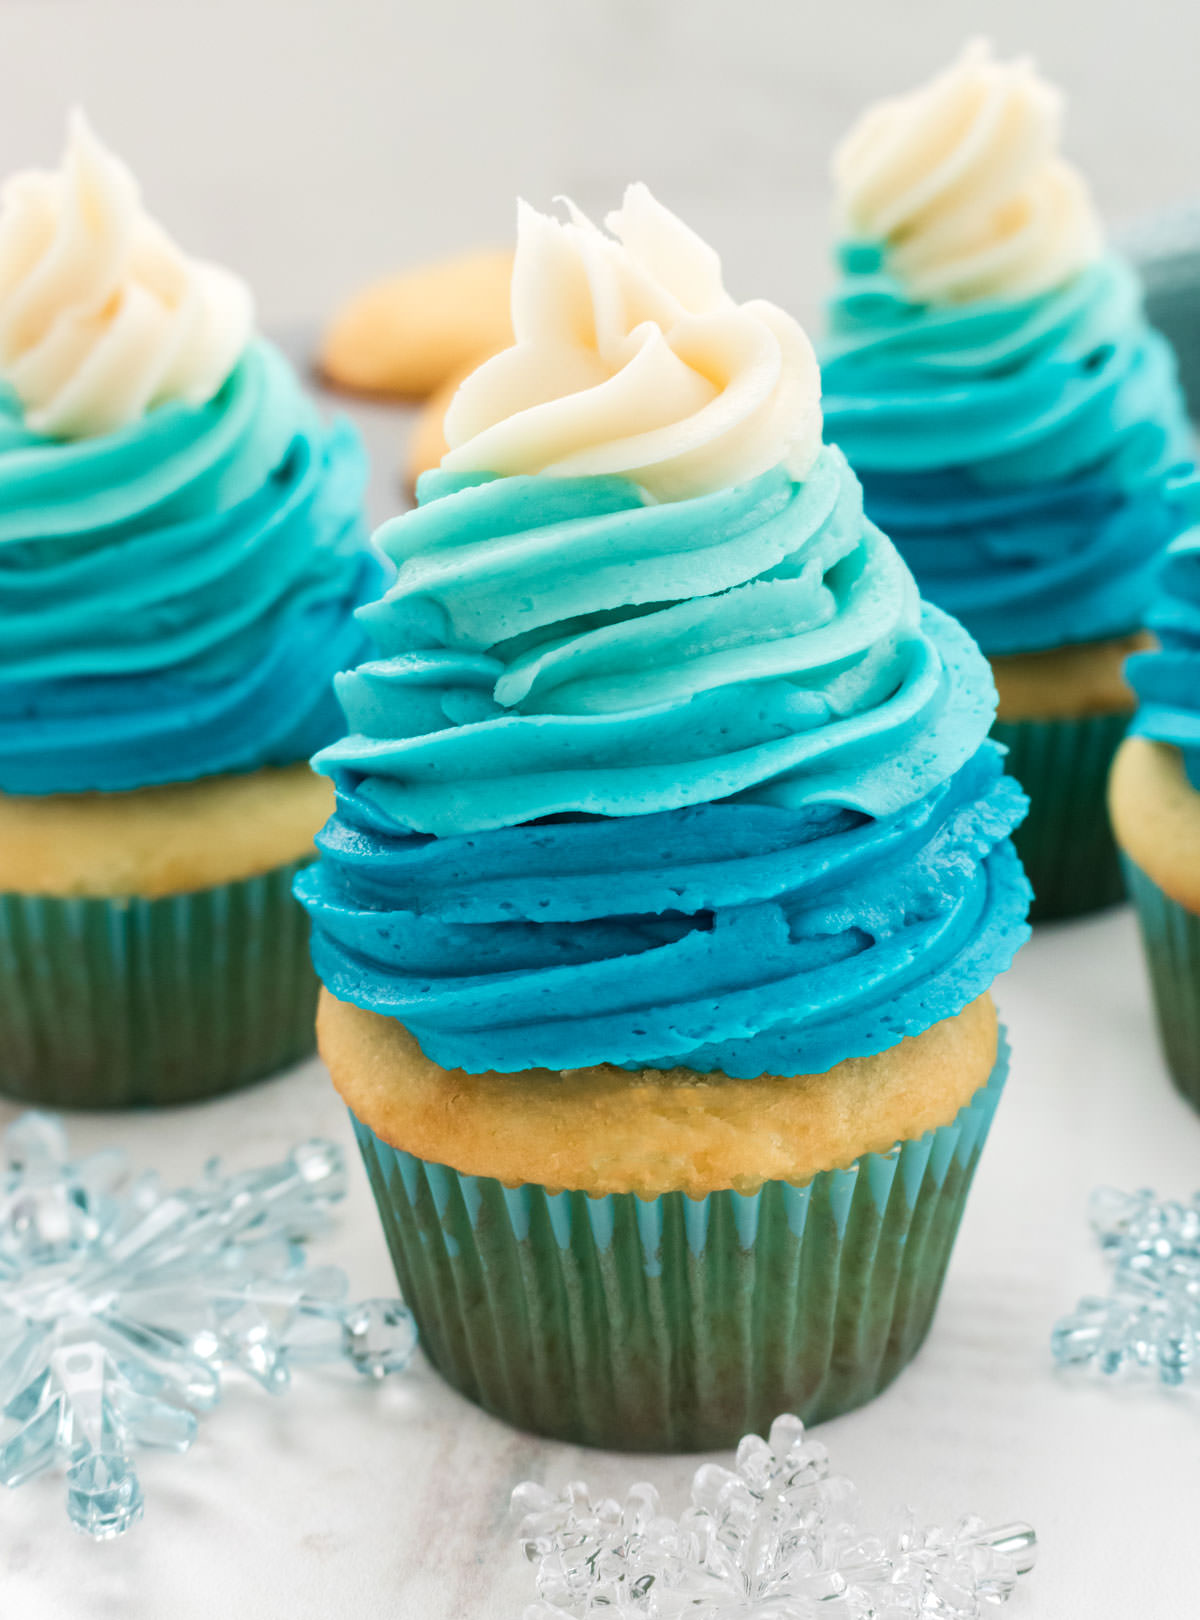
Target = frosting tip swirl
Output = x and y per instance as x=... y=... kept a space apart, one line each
x=102 y=316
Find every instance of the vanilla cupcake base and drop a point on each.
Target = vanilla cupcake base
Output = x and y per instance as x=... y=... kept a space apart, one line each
x=679 y=1320
x=1156 y=818
x=151 y=950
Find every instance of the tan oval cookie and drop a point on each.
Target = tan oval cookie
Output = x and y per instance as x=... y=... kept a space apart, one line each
x=404 y=336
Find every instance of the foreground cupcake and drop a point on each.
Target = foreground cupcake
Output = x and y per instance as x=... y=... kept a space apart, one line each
x=669 y=875
x=1155 y=802
x=181 y=546
x=1015 y=422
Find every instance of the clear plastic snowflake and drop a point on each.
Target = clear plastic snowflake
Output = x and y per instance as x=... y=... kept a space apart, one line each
x=121 y=1306
x=1150 y=1319
x=777 y=1537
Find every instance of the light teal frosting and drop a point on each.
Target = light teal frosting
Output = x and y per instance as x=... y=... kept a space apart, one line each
x=556 y=645
x=1029 y=458
x=176 y=595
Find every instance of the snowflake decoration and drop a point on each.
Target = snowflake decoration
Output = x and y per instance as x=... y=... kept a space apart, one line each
x=1150 y=1318
x=777 y=1537
x=121 y=1306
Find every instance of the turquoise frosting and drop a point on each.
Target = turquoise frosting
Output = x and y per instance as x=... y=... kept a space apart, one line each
x=175 y=597
x=1029 y=458
x=699 y=782
x=1167 y=680
x=563 y=645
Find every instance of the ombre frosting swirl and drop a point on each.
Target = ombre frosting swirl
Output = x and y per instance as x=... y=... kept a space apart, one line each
x=176 y=593
x=651 y=781
x=989 y=371
x=1167 y=680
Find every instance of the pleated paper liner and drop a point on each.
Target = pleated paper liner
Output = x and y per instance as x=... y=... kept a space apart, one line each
x=121 y=1003
x=1066 y=842
x=1171 y=937
x=678 y=1324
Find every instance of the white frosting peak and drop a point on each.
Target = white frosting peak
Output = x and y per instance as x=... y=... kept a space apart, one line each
x=631 y=358
x=962 y=182
x=102 y=317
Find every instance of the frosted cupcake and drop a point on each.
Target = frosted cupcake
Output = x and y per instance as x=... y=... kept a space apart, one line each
x=1155 y=801
x=1016 y=424
x=669 y=876
x=181 y=548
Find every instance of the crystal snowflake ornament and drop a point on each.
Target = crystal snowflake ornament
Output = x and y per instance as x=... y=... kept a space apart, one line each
x=1149 y=1322
x=122 y=1305
x=777 y=1537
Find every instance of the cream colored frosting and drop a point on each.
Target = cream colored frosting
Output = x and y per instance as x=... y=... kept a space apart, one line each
x=962 y=182
x=631 y=358
x=102 y=317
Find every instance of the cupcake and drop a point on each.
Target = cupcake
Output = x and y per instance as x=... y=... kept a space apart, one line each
x=1016 y=424
x=669 y=875
x=181 y=549
x=1154 y=795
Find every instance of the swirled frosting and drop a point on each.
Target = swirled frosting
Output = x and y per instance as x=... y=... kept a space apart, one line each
x=962 y=185
x=741 y=937
x=1167 y=680
x=1022 y=440
x=176 y=596
x=102 y=317
x=569 y=646
x=651 y=781
x=657 y=783
x=181 y=539
x=631 y=358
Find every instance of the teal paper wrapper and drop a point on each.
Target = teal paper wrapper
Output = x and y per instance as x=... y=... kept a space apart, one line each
x=1171 y=936
x=673 y=1323
x=1066 y=842
x=125 y=1002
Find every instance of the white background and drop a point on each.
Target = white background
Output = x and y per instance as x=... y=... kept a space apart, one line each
x=312 y=144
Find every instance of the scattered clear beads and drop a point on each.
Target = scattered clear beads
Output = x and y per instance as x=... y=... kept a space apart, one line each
x=122 y=1305
x=776 y=1538
x=1150 y=1318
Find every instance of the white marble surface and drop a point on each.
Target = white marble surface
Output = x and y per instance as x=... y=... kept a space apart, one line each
x=309 y=144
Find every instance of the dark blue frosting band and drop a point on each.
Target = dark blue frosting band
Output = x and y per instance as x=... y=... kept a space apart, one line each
x=745 y=938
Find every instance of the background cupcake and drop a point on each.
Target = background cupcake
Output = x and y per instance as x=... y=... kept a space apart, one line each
x=181 y=545
x=1156 y=809
x=669 y=875
x=1015 y=421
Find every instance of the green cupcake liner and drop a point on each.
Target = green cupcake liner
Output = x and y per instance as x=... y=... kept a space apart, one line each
x=673 y=1323
x=1171 y=937
x=116 y=1003
x=1066 y=842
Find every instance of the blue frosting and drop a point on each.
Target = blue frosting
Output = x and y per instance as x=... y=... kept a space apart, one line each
x=176 y=597
x=741 y=937
x=1030 y=459
x=564 y=645
x=648 y=784
x=1167 y=680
